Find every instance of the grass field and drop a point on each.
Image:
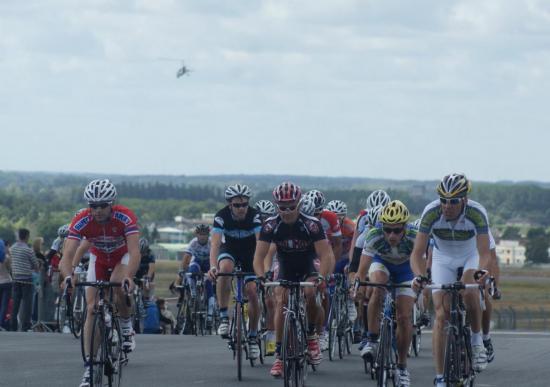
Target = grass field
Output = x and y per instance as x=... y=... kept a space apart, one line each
x=527 y=291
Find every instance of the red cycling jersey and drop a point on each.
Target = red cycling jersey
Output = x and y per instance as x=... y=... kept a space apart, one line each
x=348 y=228
x=330 y=223
x=108 y=239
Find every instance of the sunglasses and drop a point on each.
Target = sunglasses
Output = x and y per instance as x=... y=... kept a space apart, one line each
x=396 y=230
x=287 y=208
x=239 y=205
x=453 y=201
x=99 y=205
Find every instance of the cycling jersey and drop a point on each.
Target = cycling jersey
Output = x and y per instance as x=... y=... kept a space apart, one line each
x=57 y=244
x=144 y=264
x=330 y=223
x=295 y=244
x=108 y=239
x=198 y=251
x=239 y=236
x=376 y=245
x=457 y=238
x=348 y=228
x=362 y=221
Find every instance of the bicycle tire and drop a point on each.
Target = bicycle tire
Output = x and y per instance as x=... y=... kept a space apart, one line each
x=82 y=338
x=382 y=356
x=332 y=329
x=238 y=338
x=78 y=312
x=116 y=354
x=97 y=367
x=289 y=349
x=450 y=360
x=60 y=313
x=417 y=341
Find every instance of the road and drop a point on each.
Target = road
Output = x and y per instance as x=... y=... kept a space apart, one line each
x=52 y=359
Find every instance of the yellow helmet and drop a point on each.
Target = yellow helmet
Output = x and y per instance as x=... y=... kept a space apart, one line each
x=455 y=185
x=394 y=212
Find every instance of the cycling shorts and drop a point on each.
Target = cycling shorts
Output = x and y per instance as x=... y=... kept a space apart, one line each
x=445 y=269
x=398 y=274
x=98 y=269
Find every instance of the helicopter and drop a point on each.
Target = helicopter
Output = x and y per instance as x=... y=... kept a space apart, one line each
x=183 y=70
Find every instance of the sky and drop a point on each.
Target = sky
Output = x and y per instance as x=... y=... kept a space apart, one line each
x=368 y=88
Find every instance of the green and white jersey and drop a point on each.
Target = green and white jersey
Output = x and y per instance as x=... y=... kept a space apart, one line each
x=376 y=245
x=457 y=238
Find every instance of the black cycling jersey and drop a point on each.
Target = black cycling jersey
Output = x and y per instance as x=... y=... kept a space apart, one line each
x=144 y=265
x=295 y=244
x=240 y=236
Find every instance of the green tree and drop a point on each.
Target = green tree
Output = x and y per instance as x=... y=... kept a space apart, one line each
x=511 y=233
x=536 y=249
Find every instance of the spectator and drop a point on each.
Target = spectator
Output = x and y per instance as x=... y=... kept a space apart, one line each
x=23 y=262
x=38 y=277
x=167 y=319
x=5 y=283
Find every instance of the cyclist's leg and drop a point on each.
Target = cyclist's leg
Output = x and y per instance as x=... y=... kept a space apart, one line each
x=443 y=272
x=194 y=268
x=405 y=298
x=124 y=311
x=378 y=273
x=252 y=296
x=226 y=263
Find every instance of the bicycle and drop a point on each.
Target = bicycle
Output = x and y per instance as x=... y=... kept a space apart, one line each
x=106 y=354
x=294 y=345
x=340 y=328
x=140 y=311
x=63 y=311
x=419 y=321
x=384 y=366
x=458 y=363
x=78 y=305
x=237 y=340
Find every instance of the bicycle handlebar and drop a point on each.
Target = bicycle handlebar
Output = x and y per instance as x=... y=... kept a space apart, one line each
x=381 y=285
x=236 y=274
x=284 y=283
x=454 y=286
x=100 y=284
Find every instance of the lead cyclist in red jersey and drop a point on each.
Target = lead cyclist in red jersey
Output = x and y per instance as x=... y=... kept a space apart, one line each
x=113 y=234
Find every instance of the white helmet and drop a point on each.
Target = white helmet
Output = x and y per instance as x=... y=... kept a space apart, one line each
x=265 y=207
x=63 y=231
x=307 y=206
x=318 y=199
x=338 y=207
x=236 y=190
x=100 y=191
x=372 y=215
x=378 y=198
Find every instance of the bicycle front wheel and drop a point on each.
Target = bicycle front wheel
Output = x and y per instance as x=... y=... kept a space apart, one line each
x=98 y=352
x=383 y=354
x=78 y=312
x=289 y=349
x=452 y=360
x=332 y=329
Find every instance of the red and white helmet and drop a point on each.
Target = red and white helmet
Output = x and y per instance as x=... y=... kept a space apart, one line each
x=287 y=192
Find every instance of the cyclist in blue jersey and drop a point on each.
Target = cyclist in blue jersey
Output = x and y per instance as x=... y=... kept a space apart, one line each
x=238 y=225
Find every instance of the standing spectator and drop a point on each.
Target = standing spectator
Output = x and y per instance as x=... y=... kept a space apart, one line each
x=38 y=277
x=5 y=282
x=23 y=263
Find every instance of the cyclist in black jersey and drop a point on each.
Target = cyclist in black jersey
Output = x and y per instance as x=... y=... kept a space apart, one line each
x=239 y=226
x=299 y=239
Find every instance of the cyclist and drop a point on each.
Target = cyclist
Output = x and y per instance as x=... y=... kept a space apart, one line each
x=113 y=233
x=487 y=312
x=386 y=257
x=53 y=256
x=333 y=231
x=299 y=239
x=146 y=269
x=196 y=259
x=267 y=209
x=459 y=227
x=240 y=225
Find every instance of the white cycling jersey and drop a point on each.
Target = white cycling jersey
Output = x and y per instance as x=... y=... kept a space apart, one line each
x=455 y=239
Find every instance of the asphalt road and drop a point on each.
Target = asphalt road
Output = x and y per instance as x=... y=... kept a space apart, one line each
x=52 y=359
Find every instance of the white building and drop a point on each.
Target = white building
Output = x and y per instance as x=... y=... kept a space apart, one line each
x=510 y=253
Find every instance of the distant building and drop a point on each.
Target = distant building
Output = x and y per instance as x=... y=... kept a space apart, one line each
x=510 y=253
x=208 y=217
x=170 y=235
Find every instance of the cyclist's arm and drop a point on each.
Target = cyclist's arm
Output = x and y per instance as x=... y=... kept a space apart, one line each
x=418 y=263
x=494 y=267
x=326 y=256
x=215 y=243
x=82 y=248
x=268 y=260
x=65 y=266
x=151 y=271
x=336 y=242
x=364 y=265
x=353 y=240
x=132 y=241
x=185 y=261
x=259 y=255
x=483 y=250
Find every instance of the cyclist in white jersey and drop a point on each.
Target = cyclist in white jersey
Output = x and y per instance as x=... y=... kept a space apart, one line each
x=460 y=228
